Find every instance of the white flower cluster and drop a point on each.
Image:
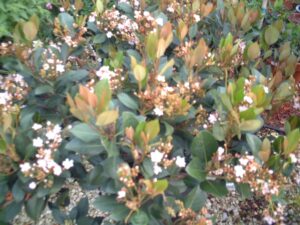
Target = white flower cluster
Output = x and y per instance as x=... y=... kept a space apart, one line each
x=105 y=73
x=120 y=25
x=296 y=102
x=47 y=144
x=246 y=103
x=52 y=65
x=12 y=88
x=213 y=117
x=157 y=158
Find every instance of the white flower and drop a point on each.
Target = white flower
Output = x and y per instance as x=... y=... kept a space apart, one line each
x=156 y=156
x=157 y=111
x=46 y=66
x=105 y=73
x=36 y=126
x=160 y=78
x=239 y=171
x=60 y=68
x=57 y=170
x=32 y=185
x=197 y=18
x=269 y=220
x=243 y=161
x=37 y=142
x=50 y=135
x=293 y=158
x=68 y=163
x=266 y=89
x=121 y=194
x=92 y=19
x=213 y=117
x=109 y=34
x=220 y=151
x=61 y=9
x=157 y=169
x=242 y=108
x=248 y=99
x=160 y=21
x=296 y=105
x=4 y=97
x=180 y=161
x=25 y=167
x=170 y=9
x=37 y=44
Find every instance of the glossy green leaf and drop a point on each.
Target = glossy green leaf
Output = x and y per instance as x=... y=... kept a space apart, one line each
x=215 y=187
x=128 y=101
x=204 y=145
x=85 y=133
x=152 y=129
x=271 y=35
x=195 y=199
x=34 y=207
x=196 y=169
x=139 y=218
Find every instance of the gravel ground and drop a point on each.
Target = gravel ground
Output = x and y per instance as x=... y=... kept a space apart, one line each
x=76 y=193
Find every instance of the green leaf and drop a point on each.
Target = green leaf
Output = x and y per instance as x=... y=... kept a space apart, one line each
x=253 y=51
x=73 y=76
x=94 y=178
x=85 y=133
x=271 y=35
x=107 y=117
x=254 y=143
x=152 y=129
x=244 y=190
x=91 y=148
x=30 y=30
x=251 y=125
x=128 y=101
x=216 y=187
x=204 y=145
x=151 y=45
x=17 y=191
x=99 y=6
x=293 y=141
x=2 y=146
x=265 y=151
x=109 y=204
x=196 y=199
x=160 y=186
x=44 y=89
x=139 y=218
x=34 y=207
x=196 y=169
x=8 y=213
x=139 y=72
x=99 y=38
x=103 y=92
x=67 y=21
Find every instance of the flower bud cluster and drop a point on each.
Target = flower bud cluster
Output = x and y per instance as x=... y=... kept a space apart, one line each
x=166 y=100
x=118 y=25
x=145 y=21
x=44 y=166
x=188 y=216
x=115 y=77
x=248 y=170
x=13 y=88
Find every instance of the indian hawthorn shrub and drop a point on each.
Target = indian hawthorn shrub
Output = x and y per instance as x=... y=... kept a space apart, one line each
x=163 y=100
